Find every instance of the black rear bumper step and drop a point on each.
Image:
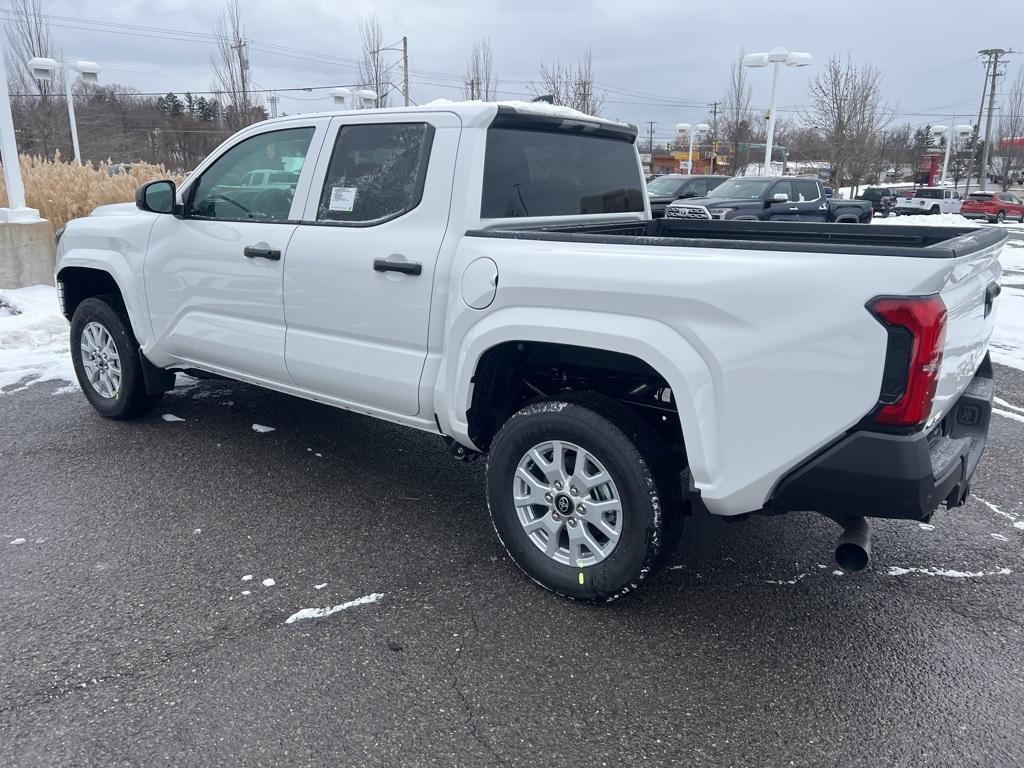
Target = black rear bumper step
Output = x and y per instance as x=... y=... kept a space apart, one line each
x=875 y=474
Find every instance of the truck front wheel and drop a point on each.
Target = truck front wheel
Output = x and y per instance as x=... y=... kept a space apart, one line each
x=105 y=354
x=576 y=497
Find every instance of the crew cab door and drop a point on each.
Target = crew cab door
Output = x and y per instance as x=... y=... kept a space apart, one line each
x=213 y=276
x=804 y=201
x=360 y=270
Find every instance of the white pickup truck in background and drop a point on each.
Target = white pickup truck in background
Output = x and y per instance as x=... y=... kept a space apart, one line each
x=491 y=273
x=929 y=200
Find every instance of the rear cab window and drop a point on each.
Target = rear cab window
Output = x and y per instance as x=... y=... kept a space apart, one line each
x=540 y=165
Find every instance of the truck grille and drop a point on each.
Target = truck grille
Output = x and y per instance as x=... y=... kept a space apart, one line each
x=687 y=212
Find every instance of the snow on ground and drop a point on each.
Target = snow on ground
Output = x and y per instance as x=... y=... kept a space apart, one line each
x=33 y=339
x=932 y=220
x=319 y=613
x=262 y=428
x=1008 y=337
x=897 y=571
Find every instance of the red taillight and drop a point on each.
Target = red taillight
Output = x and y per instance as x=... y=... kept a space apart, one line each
x=925 y=319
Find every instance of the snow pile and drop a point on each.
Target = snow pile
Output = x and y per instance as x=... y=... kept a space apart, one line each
x=931 y=220
x=319 y=613
x=33 y=339
x=1007 y=342
x=897 y=571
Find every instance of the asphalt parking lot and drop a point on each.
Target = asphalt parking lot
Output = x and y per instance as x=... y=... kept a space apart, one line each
x=128 y=635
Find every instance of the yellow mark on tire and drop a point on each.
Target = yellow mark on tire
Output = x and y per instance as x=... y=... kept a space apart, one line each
x=581 y=577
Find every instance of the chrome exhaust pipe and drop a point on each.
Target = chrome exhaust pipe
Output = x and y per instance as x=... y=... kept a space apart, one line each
x=853 y=550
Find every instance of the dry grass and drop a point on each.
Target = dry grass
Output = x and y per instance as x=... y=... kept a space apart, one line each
x=62 y=191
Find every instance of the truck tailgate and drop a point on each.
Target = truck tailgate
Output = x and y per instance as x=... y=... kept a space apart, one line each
x=970 y=298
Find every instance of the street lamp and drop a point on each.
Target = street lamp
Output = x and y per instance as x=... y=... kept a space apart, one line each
x=776 y=57
x=959 y=132
x=684 y=129
x=359 y=99
x=45 y=69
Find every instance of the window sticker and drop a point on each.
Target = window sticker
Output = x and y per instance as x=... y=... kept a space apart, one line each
x=342 y=198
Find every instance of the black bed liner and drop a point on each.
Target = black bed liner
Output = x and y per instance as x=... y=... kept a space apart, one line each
x=913 y=241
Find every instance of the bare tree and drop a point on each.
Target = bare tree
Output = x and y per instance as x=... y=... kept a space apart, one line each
x=1008 y=151
x=374 y=70
x=848 y=110
x=481 y=82
x=737 y=124
x=230 y=62
x=571 y=85
x=40 y=104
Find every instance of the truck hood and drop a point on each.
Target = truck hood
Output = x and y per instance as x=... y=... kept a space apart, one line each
x=116 y=209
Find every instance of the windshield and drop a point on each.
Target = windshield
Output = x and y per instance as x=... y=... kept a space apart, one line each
x=741 y=189
x=931 y=194
x=978 y=197
x=664 y=185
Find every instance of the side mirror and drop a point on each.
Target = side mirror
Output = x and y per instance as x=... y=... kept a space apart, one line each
x=780 y=197
x=156 y=196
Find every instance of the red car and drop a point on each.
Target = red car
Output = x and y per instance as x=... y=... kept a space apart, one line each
x=993 y=206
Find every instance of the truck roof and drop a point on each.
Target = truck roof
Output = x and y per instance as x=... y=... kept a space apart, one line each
x=479 y=113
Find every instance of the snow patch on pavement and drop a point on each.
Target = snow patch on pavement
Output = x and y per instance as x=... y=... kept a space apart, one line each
x=926 y=527
x=319 y=613
x=269 y=582
x=18 y=541
x=34 y=340
x=994 y=508
x=1008 y=414
x=928 y=220
x=247 y=577
x=999 y=401
x=786 y=581
x=896 y=571
x=171 y=417
x=998 y=537
x=1007 y=344
x=320 y=586
x=262 y=428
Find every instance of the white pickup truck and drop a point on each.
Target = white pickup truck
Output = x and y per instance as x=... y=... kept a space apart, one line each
x=491 y=274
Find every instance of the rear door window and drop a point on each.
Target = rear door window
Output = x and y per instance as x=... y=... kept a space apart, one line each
x=376 y=173
x=553 y=173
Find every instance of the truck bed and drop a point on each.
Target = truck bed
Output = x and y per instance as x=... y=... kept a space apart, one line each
x=913 y=241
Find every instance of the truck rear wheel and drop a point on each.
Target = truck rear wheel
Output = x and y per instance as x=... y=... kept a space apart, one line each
x=576 y=497
x=105 y=354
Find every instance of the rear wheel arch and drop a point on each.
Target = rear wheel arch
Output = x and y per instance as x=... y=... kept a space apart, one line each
x=511 y=374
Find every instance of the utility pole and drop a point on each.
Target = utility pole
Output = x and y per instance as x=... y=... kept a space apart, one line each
x=714 y=133
x=650 y=145
x=243 y=70
x=977 y=129
x=993 y=54
x=273 y=99
x=405 y=67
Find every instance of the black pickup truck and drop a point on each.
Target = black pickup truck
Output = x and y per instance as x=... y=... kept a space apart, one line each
x=771 y=198
x=882 y=199
x=676 y=186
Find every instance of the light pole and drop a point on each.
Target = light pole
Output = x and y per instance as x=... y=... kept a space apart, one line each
x=776 y=57
x=44 y=69
x=954 y=134
x=15 y=210
x=682 y=129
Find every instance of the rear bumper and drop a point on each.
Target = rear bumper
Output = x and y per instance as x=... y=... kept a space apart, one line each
x=977 y=215
x=876 y=474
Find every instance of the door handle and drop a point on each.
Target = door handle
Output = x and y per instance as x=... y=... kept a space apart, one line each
x=405 y=267
x=262 y=252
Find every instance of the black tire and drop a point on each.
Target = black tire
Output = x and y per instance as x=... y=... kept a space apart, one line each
x=934 y=210
x=630 y=453
x=131 y=399
x=1000 y=217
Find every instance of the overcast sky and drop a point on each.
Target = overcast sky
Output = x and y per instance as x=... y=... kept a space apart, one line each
x=657 y=60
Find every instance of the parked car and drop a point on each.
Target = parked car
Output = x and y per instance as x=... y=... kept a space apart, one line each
x=882 y=199
x=771 y=198
x=675 y=186
x=993 y=206
x=929 y=200
x=622 y=372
